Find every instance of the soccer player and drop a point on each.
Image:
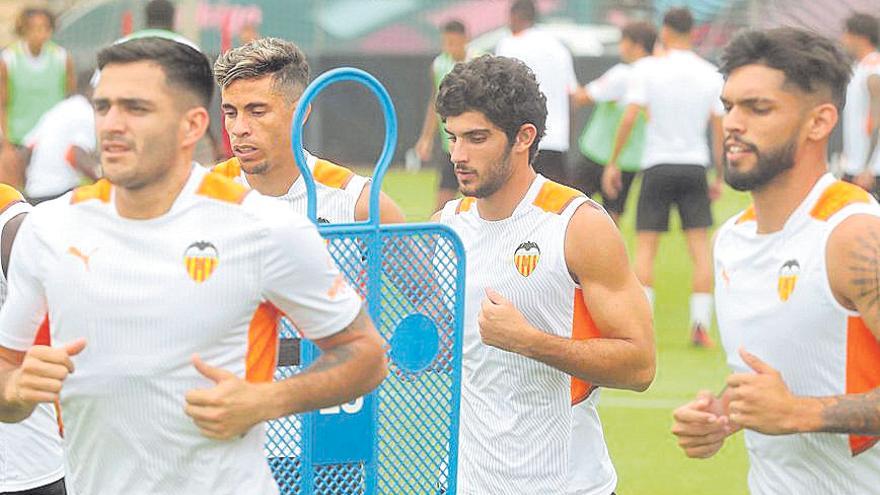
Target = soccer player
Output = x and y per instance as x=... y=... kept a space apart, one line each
x=861 y=115
x=636 y=43
x=163 y=284
x=455 y=50
x=31 y=452
x=797 y=296
x=679 y=92
x=261 y=83
x=552 y=64
x=552 y=309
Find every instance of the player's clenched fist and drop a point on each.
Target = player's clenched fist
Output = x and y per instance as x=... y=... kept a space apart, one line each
x=42 y=373
x=701 y=426
x=227 y=410
x=502 y=325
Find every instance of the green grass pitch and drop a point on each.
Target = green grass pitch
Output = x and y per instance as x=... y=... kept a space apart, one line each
x=646 y=456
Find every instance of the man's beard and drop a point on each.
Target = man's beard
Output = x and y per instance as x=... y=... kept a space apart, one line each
x=493 y=178
x=767 y=167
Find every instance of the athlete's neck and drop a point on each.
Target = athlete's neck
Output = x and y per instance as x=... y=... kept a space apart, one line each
x=156 y=199
x=504 y=201
x=277 y=180
x=864 y=52
x=775 y=202
x=34 y=49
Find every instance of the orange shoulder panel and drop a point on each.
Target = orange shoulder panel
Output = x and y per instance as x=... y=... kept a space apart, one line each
x=554 y=198
x=464 y=204
x=332 y=175
x=9 y=196
x=836 y=197
x=99 y=190
x=216 y=186
x=230 y=168
x=747 y=215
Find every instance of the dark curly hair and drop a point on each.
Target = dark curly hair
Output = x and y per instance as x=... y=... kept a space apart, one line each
x=503 y=89
x=808 y=60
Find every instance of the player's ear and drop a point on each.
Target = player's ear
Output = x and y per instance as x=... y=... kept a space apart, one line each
x=194 y=125
x=822 y=120
x=525 y=137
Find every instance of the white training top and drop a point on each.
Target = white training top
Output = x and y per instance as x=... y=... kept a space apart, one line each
x=856 y=117
x=773 y=299
x=554 y=69
x=612 y=85
x=69 y=123
x=526 y=427
x=338 y=188
x=31 y=454
x=146 y=295
x=681 y=92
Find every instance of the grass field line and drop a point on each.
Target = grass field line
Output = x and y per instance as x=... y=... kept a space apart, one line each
x=641 y=403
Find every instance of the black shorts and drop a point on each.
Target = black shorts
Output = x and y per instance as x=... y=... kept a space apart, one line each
x=56 y=488
x=683 y=185
x=551 y=164
x=588 y=179
x=875 y=191
x=448 y=180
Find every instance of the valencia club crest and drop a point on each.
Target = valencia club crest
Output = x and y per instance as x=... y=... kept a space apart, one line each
x=201 y=260
x=788 y=275
x=526 y=258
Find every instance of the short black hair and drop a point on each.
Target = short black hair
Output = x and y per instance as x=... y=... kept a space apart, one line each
x=160 y=14
x=503 y=89
x=679 y=20
x=25 y=15
x=641 y=33
x=184 y=66
x=525 y=10
x=454 y=26
x=808 y=60
x=864 y=25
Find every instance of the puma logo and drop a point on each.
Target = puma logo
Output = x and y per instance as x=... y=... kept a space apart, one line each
x=79 y=254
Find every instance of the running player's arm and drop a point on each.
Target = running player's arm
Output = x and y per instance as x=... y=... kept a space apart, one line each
x=29 y=374
x=623 y=355
x=389 y=212
x=70 y=83
x=312 y=292
x=853 y=261
x=425 y=144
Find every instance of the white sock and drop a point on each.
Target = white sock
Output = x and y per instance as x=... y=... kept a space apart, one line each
x=701 y=309
x=649 y=293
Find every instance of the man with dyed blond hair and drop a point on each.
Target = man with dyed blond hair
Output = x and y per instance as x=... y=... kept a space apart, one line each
x=261 y=83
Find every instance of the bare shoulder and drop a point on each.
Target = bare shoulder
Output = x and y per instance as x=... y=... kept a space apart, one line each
x=594 y=247
x=853 y=262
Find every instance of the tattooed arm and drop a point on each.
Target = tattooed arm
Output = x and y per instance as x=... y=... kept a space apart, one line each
x=352 y=364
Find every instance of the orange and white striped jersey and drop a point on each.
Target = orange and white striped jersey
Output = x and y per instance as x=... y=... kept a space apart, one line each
x=338 y=188
x=148 y=294
x=856 y=118
x=526 y=427
x=774 y=299
x=31 y=454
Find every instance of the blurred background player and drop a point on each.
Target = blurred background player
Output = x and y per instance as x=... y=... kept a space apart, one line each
x=260 y=85
x=102 y=261
x=679 y=91
x=861 y=115
x=60 y=151
x=596 y=142
x=455 y=49
x=31 y=452
x=544 y=327
x=798 y=297
x=552 y=64
x=35 y=74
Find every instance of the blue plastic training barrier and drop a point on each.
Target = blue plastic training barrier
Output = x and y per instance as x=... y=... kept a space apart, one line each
x=403 y=437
